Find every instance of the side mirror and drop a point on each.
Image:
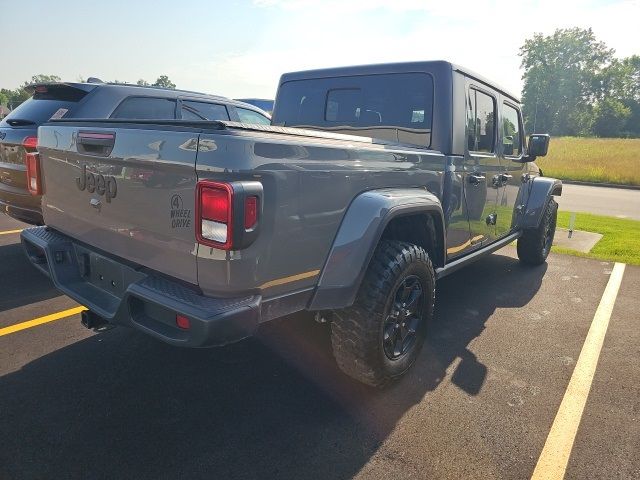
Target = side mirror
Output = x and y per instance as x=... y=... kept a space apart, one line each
x=538 y=145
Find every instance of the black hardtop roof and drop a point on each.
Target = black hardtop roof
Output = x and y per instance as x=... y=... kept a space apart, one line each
x=434 y=66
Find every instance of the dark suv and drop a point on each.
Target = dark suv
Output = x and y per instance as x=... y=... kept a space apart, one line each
x=19 y=130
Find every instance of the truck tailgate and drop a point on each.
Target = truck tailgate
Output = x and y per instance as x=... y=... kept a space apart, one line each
x=125 y=189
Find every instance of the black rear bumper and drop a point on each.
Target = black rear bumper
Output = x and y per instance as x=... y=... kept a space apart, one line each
x=127 y=295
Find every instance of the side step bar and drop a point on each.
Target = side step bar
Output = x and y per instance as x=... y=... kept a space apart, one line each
x=458 y=263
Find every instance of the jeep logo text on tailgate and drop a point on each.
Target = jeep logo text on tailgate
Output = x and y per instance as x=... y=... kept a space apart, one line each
x=98 y=183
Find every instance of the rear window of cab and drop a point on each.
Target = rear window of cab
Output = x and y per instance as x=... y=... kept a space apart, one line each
x=397 y=106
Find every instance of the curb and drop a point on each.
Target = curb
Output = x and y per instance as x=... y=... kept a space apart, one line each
x=606 y=185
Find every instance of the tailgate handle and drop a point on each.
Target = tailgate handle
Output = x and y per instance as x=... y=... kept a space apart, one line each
x=96 y=143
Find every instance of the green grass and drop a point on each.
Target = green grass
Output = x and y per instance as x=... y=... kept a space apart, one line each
x=620 y=241
x=602 y=160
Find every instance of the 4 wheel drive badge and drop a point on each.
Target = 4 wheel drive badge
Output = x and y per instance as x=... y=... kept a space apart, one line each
x=96 y=182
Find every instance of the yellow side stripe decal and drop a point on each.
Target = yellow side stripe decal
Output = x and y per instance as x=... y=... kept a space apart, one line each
x=40 y=320
x=464 y=245
x=292 y=278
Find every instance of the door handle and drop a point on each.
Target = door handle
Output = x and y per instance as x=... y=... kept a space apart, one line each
x=475 y=179
x=96 y=143
x=500 y=180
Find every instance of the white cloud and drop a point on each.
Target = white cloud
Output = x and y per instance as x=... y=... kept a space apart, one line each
x=278 y=36
x=482 y=36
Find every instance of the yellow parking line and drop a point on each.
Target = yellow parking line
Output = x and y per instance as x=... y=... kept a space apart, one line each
x=40 y=320
x=7 y=232
x=553 y=460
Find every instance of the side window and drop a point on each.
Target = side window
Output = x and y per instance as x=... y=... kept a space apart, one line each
x=481 y=114
x=203 y=111
x=511 y=131
x=188 y=114
x=249 y=116
x=146 y=108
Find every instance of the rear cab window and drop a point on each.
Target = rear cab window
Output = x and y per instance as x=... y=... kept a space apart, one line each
x=396 y=107
x=51 y=100
x=146 y=108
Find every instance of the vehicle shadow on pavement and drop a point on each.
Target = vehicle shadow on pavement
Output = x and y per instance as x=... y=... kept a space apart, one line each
x=21 y=283
x=122 y=405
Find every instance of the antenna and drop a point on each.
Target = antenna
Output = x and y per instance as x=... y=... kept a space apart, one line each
x=535 y=112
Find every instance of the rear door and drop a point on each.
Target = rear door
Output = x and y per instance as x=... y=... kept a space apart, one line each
x=127 y=189
x=481 y=164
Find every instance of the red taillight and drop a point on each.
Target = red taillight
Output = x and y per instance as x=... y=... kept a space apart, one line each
x=215 y=204
x=30 y=143
x=227 y=214
x=34 y=181
x=214 y=212
x=183 y=322
x=250 y=212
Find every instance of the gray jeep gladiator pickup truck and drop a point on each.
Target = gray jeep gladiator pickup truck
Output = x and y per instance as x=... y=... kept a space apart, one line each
x=371 y=183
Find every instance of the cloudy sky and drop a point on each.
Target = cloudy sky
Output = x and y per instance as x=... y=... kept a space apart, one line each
x=240 y=48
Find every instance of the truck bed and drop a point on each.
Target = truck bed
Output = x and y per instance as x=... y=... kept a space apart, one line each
x=156 y=165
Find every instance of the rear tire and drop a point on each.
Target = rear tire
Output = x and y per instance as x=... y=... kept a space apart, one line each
x=379 y=338
x=535 y=244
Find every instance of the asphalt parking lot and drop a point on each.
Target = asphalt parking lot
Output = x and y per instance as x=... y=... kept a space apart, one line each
x=479 y=403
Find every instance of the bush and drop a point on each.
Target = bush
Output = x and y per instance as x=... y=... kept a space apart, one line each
x=610 y=117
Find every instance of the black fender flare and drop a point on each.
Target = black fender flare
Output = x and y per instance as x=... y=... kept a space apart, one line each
x=537 y=194
x=358 y=235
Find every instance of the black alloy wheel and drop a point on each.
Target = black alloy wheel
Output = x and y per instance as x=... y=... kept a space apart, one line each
x=403 y=321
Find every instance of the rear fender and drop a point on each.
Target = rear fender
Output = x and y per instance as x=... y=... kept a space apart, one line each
x=359 y=234
x=539 y=192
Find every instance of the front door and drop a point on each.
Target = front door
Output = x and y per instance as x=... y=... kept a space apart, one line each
x=482 y=164
x=509 y=179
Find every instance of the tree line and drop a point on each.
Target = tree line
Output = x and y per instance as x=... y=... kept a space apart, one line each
x=574 y=85
x=13 y=98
